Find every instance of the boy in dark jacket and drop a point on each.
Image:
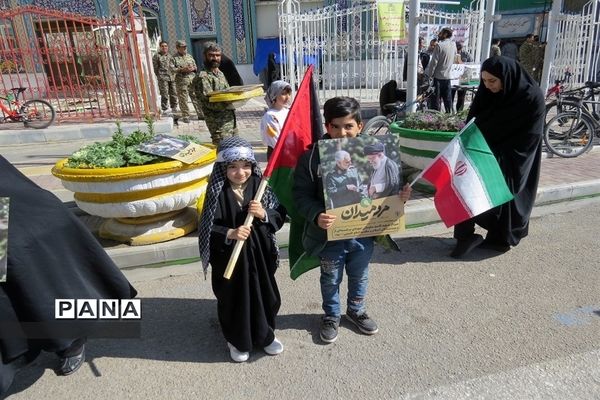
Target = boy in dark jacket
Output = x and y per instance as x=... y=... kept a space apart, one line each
x=342 y=119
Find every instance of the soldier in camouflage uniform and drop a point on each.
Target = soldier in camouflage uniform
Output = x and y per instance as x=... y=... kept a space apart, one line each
x=220 y=117
x=528 y=53
x=166 y=78
x=184 y=66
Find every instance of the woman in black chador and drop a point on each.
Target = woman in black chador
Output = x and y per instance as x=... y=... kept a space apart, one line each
x=51 y=255
x=248 y=302
x=509 y=110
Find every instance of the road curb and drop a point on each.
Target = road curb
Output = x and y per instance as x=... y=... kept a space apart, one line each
x=63 y=133
x=418 y=212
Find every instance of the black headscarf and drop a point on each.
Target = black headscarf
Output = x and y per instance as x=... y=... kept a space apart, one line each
x=230 y=71
x=515 y=111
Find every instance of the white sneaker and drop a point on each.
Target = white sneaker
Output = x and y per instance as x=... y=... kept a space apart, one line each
x=276 y=347
x=236 y=355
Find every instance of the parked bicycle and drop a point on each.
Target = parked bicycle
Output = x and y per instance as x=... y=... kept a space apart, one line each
x=380 y=124
x=34 y=113
x=571 y=132
x=560 y=98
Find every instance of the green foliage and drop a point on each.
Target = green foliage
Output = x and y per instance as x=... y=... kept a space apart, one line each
x=121 y=151
x=435 y=121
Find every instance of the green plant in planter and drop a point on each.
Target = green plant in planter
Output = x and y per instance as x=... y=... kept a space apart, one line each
x=121 y=151
x=435 y=121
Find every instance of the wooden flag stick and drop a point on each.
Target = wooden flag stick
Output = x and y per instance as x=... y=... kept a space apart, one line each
x=248 y=222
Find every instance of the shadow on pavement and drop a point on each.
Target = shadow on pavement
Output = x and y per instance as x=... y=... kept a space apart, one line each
x=426 y=249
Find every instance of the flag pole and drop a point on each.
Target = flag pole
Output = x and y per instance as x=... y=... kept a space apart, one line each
x=471 y=121
x=248 y=222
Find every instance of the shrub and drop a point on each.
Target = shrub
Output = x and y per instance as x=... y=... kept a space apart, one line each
x=435 y=121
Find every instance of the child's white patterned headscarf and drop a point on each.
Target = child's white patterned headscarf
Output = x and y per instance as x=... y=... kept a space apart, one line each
x=276 y=88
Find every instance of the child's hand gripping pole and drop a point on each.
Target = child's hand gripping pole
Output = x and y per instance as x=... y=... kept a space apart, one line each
x=240 y=243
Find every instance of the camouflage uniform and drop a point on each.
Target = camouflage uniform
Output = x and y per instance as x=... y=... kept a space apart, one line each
x=183 y=83
x=527 y=57
x=166 y=80
x=220 y=120
x=540 y=49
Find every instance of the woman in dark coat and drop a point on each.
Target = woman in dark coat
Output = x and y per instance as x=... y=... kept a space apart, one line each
x=509 y=110
x=51 y=255
x=248 y=302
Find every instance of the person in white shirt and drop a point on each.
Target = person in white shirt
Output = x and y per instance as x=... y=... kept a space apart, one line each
x=439 y=69
x=278 y=98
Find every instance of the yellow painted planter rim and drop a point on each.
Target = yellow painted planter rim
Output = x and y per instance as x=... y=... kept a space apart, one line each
x=138 y=171
x=150 y=194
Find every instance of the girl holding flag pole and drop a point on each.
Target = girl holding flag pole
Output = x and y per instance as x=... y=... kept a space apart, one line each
x=248 y=301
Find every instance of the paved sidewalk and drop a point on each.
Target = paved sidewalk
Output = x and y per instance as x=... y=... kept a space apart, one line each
x=561 y=179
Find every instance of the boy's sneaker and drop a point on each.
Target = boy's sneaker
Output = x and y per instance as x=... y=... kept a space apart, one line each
x=329 y=329
x=362 y=321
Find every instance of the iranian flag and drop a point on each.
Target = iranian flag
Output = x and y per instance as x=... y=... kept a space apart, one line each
x=467 y=178
x=302 y=127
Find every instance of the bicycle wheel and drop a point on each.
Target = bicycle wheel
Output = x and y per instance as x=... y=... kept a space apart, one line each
x=567 y=104
x=379 y=125
x=569 y=134
x=37 y=114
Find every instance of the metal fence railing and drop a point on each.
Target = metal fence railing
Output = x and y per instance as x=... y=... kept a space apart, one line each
x=345 y=47
x=88 y=68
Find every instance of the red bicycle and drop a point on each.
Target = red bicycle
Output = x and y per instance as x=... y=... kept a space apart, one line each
x=34 y=113
x=559 y=99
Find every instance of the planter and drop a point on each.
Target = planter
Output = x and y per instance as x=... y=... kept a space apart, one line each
x=143 y=204
x=418 y=148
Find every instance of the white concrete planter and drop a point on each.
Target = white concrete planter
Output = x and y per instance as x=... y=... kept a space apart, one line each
x=144 y=204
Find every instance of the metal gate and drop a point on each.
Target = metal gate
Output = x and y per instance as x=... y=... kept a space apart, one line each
x=88 y=68
x=343 y=43
x=578 y=45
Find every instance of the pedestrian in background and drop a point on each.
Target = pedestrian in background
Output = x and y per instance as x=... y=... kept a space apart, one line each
x=162 y=62
x=439 y=69
x=342 y=119
x=509 y=110
x=527 y=54
x=249 y=301
x=277 y=98
x=184 y=67
x=463 y=57
x=510 y=49
x=219 y=116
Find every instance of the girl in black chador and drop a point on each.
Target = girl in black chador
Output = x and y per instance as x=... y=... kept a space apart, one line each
x=509 y=110
x=248 y=302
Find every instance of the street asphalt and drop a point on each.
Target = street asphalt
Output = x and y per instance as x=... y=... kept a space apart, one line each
x=521 y=325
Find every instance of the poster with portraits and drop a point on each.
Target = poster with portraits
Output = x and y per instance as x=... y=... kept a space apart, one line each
x=4 y=203
x=175 y=148
x=362 y=177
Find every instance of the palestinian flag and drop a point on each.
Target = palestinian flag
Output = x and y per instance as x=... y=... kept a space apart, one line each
x=302 y=127
x=467 y=178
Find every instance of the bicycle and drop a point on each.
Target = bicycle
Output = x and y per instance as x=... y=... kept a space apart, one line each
x=559 y=99
x=34 y=113
x=571 y=132
x=380 y=124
